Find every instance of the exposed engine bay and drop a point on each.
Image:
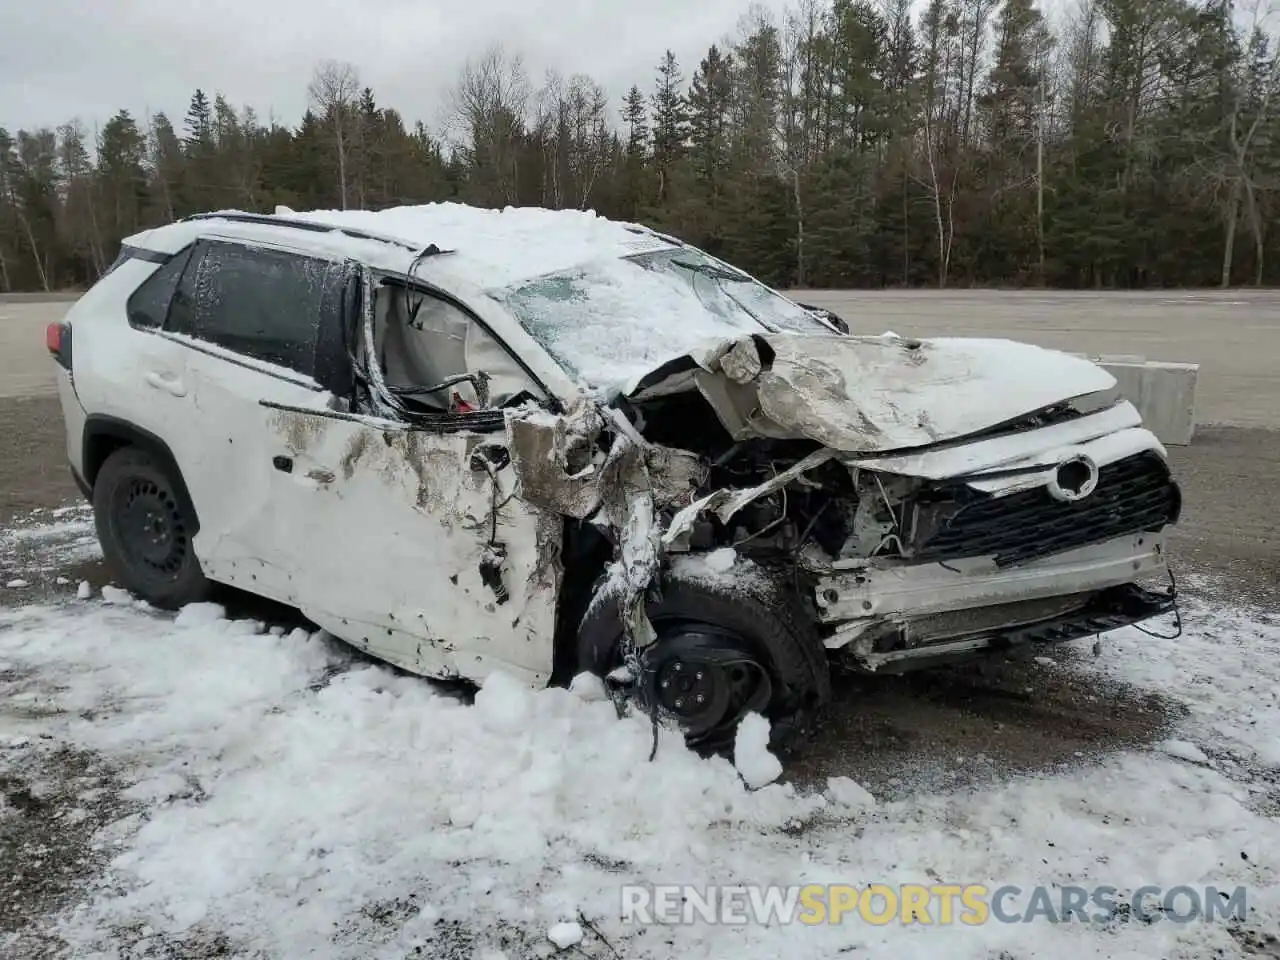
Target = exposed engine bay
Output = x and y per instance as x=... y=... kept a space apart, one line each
x=834 y=511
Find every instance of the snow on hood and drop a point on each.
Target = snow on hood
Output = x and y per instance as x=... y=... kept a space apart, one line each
x=875 y=394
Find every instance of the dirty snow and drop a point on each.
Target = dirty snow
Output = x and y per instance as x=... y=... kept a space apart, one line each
x=723 y=567
x=283 y=797
x=35 y=547
x=111 y=594
x=850 y=794
x=1183 y=750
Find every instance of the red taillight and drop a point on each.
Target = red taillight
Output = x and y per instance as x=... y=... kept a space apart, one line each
x=53 y=338
x=57 y=337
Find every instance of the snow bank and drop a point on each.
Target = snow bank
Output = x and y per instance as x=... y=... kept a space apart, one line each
x=300 y=802
x=322 y=790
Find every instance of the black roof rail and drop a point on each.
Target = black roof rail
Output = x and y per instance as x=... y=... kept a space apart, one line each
x=314 y=226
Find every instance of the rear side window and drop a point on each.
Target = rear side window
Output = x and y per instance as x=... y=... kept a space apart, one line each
x=267 y=304
x=149 y=304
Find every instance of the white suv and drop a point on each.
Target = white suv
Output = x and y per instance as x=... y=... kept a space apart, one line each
x=543 y=442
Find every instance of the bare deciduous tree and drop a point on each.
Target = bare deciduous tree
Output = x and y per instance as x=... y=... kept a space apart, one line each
x=1251 y=90
x=333 y=91
x=572 y=126
x=488 y=109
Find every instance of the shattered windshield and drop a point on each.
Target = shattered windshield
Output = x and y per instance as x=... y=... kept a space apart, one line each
x=608 y=321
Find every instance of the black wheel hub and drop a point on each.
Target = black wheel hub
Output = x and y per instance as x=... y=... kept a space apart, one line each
x=706 y=678
x=150 y=528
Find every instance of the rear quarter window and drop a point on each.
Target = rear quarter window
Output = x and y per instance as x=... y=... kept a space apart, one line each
x=149 y=304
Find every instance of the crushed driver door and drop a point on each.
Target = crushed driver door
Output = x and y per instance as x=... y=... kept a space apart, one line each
x=409 y=542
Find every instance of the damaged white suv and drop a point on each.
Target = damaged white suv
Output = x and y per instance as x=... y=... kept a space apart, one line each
x=542 y=442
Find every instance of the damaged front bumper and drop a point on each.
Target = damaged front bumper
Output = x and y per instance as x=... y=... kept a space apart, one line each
x=898 y=617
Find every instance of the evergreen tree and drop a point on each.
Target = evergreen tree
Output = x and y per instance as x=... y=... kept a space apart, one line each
x=199 y=140
x=670 y=121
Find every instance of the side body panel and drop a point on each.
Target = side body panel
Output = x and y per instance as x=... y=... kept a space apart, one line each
x=403 y=543
x=228 y=471
x=73 y=420
x=129 y=374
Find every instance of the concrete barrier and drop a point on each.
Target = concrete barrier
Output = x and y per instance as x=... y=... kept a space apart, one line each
x=1164 y=393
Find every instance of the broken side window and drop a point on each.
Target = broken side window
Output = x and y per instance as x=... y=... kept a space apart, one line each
x=425 y=341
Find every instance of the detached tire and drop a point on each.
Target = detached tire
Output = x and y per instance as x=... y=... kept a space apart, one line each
x=146 y=526
x=695 y=617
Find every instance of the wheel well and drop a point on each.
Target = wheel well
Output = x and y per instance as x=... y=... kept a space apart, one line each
x=585 y=553
x=105 y=435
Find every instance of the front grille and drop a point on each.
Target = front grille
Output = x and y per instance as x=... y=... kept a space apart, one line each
x=1133 y=495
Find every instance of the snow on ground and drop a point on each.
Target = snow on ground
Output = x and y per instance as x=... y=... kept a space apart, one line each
x=46 y=541
x=1225 y=669
x=295 y=800
x=269 y=792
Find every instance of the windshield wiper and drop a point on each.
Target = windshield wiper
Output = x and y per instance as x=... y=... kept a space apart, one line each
x=720 y=273
x=711 y=270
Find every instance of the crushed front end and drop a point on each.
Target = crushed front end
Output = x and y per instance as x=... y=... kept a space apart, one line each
x=1045 y=527
x=962 y=570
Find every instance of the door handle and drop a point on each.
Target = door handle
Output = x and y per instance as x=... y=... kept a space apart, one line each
x=167 y=382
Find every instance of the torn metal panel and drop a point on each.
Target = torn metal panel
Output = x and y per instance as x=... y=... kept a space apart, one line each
x=417 y=550
x=675 y=537
x=741 y=498
x=727 y=502
x=675 y=475
x=557 y=460
x=562 y=468
x=741 y=363
x=629 y=509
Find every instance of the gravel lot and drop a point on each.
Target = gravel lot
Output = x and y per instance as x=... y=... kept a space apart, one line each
x=896 y=733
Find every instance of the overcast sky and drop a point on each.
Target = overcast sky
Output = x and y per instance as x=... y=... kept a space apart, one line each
x=88 y=58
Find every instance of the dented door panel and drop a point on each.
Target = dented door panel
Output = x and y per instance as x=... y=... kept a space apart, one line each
x=410 y=544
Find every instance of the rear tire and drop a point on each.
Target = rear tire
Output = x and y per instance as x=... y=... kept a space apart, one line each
x=759 y=616
x=146 y=526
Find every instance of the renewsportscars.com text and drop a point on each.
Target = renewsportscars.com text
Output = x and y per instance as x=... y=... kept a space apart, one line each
x=938 y=904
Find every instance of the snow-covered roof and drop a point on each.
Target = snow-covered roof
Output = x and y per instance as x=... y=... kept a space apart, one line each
x=493 y=249
x=489 y=249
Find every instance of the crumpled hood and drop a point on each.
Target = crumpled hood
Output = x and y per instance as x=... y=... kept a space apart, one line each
x=873 y=394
